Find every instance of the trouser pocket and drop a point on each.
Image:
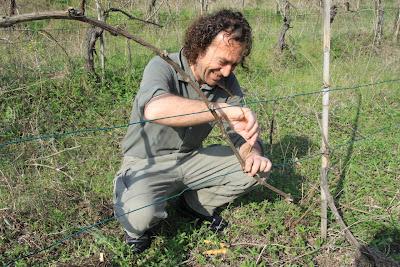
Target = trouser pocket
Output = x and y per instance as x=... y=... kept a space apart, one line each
x=119 y=186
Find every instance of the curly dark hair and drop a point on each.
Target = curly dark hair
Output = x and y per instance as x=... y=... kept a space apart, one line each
x=203 y=30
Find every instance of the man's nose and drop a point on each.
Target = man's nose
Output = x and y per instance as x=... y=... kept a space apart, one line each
x=226 y=70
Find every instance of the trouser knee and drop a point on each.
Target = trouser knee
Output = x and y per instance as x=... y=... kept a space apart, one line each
x=137 y=220
x=245 y=183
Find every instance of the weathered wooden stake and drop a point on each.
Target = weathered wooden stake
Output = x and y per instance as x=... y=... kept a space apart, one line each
x=128 y=47
x=13 y=7
x=378 y=26
x=397 y=24
x=285 y=12
x=347 y=6
x=83 y=6
x=325 y=117
x=152 y=10
x=204 y=6
x=358 y=5
x=101 y=38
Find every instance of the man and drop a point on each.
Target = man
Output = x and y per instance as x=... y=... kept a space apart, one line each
x=166 y=156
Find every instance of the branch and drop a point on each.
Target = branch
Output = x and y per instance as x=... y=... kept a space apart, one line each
x=48 y=35
x=13 y=7
x=83 y=3
x=112 y=9
x=91 y=37
x=333 y=13
x=74 y=14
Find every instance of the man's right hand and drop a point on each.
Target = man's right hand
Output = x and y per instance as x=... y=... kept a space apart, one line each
x=242 y=120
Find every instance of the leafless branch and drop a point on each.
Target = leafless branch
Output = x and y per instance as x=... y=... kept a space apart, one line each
x=51 y=167
x=150 y=14
x=48 y=35
x=285 y=27
x=13 y=7
x=396 y=25
x=83 y=5
x=91 y=37
x=259 y=256
x=378 y=26
x=6 y=40
x=333 y=13
x=112 y=9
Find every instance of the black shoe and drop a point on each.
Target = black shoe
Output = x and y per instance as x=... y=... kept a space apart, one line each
x=140 y=244
x=217 y=224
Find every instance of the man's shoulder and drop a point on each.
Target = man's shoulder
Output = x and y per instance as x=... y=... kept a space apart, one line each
x=157 y=60
x=158 y=67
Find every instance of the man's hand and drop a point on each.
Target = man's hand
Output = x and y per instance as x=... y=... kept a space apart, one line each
x=243 y=121
x=255 y=163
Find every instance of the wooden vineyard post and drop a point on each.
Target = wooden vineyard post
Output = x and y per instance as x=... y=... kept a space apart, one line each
x=13 y=7
x=204 y=7
x=325 y=117
x=378 y=26
x=285 y=12
x=396 y=26
x=102 y=49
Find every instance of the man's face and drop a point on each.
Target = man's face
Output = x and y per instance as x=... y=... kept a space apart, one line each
x=219 y=60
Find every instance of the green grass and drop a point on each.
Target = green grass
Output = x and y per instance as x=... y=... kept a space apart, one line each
x=51 y=188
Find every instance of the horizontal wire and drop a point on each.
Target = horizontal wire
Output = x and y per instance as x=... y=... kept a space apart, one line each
x=90 y=130
x=319 y=92
x=162 y=200
x=332 y=149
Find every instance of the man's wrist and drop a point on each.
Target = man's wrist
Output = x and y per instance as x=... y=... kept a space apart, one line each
x=218 y=107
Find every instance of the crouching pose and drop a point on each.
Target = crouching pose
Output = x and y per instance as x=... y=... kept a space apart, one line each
x=166 y=156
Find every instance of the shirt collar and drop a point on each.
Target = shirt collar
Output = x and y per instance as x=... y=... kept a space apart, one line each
x=185 y=66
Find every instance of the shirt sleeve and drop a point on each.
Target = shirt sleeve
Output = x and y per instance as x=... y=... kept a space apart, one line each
x=158 y=79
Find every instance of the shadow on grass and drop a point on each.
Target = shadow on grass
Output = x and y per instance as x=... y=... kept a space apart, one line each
x=386 y=245
x=349 y=153
x=172 y=239
x=284 y=176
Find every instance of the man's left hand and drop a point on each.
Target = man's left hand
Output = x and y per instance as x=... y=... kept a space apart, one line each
x=255 y=163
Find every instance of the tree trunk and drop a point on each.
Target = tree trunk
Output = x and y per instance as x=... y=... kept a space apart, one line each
x=101 y=37
x=333 y=13
x=83 y=6
x=378 y=27
x=397 y=25
x=13 y=7
x=129 y=52
x=347 y=6
x=91 y=37
x=151 y=10
x=204 y=7
x=285 y=27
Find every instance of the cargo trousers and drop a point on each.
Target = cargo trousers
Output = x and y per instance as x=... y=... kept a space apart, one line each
x=208 y=177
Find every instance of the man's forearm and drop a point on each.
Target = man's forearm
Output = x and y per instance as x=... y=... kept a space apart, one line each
x=169 y=105
x=166 y=110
